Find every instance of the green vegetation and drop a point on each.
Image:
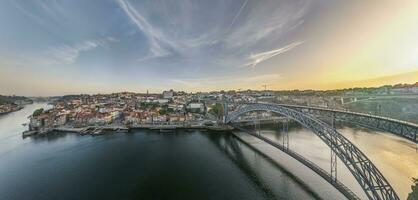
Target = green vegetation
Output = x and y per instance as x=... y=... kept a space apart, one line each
x=414 y=194
x=217 y=110
x=11 y=99
x=38 y=112
x=162 y=111
x=149 y=105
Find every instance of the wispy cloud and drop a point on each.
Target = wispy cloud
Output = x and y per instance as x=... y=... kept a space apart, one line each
x=67 y=54
x=263 y=26
x=42 y=12
x=155 y=38
x=60 y=55
x=238 y=13
x=20 y=7
x=162 y=40
x=260 y=27
x=177 y=38
x=263 y=56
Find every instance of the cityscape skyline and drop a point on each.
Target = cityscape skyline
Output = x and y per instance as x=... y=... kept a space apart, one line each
x=209 y=99
x=73 y=47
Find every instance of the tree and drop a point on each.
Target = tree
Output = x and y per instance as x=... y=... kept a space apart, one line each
x=38 y=112
x=217 y=110
x=414 y=194
x=162 y=111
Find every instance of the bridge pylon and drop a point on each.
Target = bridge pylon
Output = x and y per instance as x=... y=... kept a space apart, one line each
x=334 y=157
x=225 y=111
x=286 y=133
x=334 y=162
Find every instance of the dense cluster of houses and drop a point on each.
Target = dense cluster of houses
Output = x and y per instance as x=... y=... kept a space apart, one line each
x=12 y=103
x=120 y=108
x=9 y=107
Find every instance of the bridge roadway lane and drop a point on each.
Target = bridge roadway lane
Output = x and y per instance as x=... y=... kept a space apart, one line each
x=401 y=128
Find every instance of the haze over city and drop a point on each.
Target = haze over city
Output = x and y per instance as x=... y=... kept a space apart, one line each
x=69 y=47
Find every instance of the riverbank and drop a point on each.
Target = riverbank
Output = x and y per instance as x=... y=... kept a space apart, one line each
x=100 y=130
x=13 y=110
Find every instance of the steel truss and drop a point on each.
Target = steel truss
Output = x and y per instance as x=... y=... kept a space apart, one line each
x=286 y=133
x=365 y=172
x=405 y=129
x=321 y=172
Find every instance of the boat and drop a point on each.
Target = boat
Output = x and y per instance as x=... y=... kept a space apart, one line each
x=97 y=132
x=29 y=133
x=166 y=130
x=122 y=130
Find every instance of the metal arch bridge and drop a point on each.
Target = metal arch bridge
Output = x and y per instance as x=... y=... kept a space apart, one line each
x=401 y=128
x=372 y=181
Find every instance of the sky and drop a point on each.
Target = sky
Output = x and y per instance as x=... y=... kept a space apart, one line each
x=56 y=47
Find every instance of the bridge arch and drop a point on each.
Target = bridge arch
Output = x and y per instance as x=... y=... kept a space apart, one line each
x=373 y=183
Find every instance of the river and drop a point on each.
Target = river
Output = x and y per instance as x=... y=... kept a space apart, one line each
x=183 y=165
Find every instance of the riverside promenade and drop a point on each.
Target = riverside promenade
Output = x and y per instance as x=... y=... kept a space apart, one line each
x=99 y=130
x=162 y=127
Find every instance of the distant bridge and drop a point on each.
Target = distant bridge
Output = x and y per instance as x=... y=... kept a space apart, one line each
x=372 y=181
x=401 y=128
x=350 y=99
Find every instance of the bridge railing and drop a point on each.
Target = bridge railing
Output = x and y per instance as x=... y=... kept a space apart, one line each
x=351 y=112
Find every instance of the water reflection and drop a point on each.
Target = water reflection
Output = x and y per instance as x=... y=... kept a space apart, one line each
x=236 y=145
x=395 y=157
x=231 y=149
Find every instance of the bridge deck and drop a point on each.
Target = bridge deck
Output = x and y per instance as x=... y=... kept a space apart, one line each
x=353 y=113
x=401 y=128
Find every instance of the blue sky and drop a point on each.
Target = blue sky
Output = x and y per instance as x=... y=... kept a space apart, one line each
x=54 y=47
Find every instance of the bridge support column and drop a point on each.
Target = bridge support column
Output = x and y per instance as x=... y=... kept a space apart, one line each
x=334 y=159
x=334 y=162
x=257 y=126
x=286 y=134
x=225 y=106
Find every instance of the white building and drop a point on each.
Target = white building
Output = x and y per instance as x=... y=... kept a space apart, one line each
x=199 y=107
x=168 y=94
x=175 y=107
x=161 y=101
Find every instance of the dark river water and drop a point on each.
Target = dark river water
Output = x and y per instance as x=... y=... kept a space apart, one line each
x=183 y=165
